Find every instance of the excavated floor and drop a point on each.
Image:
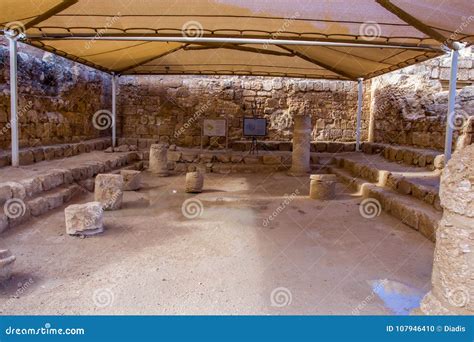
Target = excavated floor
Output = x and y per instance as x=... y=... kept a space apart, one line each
x=257 y=246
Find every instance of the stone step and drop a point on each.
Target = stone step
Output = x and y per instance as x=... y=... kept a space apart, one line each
x=411 y=211
x=424 y=186
x=31 y=155
x=406 y=154
x=38 y=195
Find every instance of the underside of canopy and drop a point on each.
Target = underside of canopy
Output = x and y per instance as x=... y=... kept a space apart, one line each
x=303 y=38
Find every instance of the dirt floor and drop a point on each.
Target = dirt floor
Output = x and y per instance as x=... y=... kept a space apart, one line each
x=257 y=245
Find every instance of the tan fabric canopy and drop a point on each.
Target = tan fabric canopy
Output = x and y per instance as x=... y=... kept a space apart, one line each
x=379 y=36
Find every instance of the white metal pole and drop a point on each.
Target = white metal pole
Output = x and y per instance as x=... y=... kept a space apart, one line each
x=359 y=112
x=230 y=40
x=451 y=102
x=14 y=99
x=114 y=110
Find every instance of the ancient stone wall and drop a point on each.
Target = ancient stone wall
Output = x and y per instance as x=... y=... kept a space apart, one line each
x=410 y=105
x=57 y=98
x=171 y=108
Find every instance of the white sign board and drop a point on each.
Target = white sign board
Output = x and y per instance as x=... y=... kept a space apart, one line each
x=214 y=128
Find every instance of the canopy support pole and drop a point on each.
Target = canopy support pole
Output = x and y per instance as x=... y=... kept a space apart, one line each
x=451 y=102
x=359 y=111
x=114 y=110
x=13 y=45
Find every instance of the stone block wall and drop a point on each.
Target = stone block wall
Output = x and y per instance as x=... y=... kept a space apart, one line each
x=171 y=108
x=57 y=98
x=410 y=105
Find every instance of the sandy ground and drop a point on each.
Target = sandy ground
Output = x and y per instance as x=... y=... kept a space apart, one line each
x=312 y=257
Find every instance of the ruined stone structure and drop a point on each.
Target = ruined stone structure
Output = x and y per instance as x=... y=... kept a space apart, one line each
x=159 y=159
x=194 y=181
x=131 y=180
x=452 y=279
x=171 y=108
x=322 y=187
x=84 y=219
x=57 y=98
x=409 y=107
x=109 y=191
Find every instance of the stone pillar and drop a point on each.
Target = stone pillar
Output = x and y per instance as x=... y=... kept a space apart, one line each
x=159 y=160
x=300 y=164
x=452 y=280
x=194 y=181
x=322 y=187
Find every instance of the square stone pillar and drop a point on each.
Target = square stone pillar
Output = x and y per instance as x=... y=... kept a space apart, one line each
x=300 y=165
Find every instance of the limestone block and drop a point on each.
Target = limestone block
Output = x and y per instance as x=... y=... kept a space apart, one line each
x=84 y=219
x=404 y=187
x=131 y=180
x=122 y=148
x=54 y=200
x=322 y=187
x=6 y=264
x=159 y=160
x=51 y=180
x=223 y=158
x=194 y=181
x=174 y=156
x=109 y=190
x=38 y=206
x=271 y=159
x=439 y=161
x=32 y=186
x=252 y=160
x=206 y=157
x=26 y=157
x=189 y=157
